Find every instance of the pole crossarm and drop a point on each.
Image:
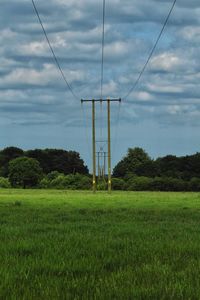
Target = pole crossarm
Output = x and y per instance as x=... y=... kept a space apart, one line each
x=101 y=100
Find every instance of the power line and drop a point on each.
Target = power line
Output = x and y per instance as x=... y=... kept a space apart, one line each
x=60 y=69
x=152 y=51
x=115 y=140
x=85 y=125
x=102 y=67
x=53 y=53
x=103 y=43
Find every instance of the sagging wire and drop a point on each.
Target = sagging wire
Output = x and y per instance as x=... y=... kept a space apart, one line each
x=152 y=52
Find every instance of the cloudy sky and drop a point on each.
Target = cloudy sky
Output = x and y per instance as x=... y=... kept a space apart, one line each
x=37 y=110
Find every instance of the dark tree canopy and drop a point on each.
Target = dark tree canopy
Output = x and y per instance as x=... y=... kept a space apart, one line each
x=168 y=166
x=24 y=171
x=185 y=167
x=137 y=162
x=6 y=155
x=66 y=162
x=132 y=163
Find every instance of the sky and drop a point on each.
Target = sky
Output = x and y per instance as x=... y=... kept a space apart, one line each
x=37 y=110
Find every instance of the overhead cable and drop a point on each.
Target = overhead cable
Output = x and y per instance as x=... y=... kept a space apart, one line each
x=103 y=43
x=102 y=67
x=53 y=53
x=152 y=51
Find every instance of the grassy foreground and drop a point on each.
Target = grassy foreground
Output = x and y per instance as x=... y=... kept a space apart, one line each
x=76 y=245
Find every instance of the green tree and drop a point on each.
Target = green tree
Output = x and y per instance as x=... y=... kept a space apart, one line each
x=190 y=166
x=24 y=171
x=132 y=163
x=168 y=166
x=66 y=162
x=4 y=183
x=6 y=155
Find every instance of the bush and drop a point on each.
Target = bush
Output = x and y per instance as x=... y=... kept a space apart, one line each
x=4 y=183
x=194 y=184
x=50 y=180
x=60 y=182
x=139 y=184
x=118 y=184
x=53 y=175
x=82 y=182
x=156 y=184
x=102 y=186
x=168 y=184
x=57 y=180
x=44 y=183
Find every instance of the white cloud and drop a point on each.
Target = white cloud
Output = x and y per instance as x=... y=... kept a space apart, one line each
x=49 y=74
x=167 y=88
x=34 y=48
x=166 y=62
x=110 y=88
x=190 y=33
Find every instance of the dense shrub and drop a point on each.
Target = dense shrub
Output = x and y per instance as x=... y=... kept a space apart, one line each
x=4 y=183
x=139 y=184
x=60 y=182
x=168 y=184
x=194 y=184
x=57 y=180
x=102 y=186
x=44 y=183
x=118 y=184
x=81 y=182
x=156 y=184
x=50 y=180
x=53 y=175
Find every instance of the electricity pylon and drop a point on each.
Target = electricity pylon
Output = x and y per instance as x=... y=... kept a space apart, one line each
x=108 y=101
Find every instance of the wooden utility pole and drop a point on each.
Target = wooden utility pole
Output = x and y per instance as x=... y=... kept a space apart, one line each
x=94 y=146
x=99 y=167
x=104 y=155
x=109 y=149
x=108 y=101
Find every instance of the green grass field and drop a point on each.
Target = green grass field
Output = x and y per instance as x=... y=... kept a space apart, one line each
x=76 y=245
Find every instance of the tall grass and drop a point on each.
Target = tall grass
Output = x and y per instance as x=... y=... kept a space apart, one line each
x=76 y=245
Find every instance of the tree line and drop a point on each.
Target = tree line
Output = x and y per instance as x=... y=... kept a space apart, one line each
x=28 y=168
x=66 y=162
x=138 y=162
x=137 y=171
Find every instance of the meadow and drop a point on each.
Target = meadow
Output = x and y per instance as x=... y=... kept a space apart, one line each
x=76 y=245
